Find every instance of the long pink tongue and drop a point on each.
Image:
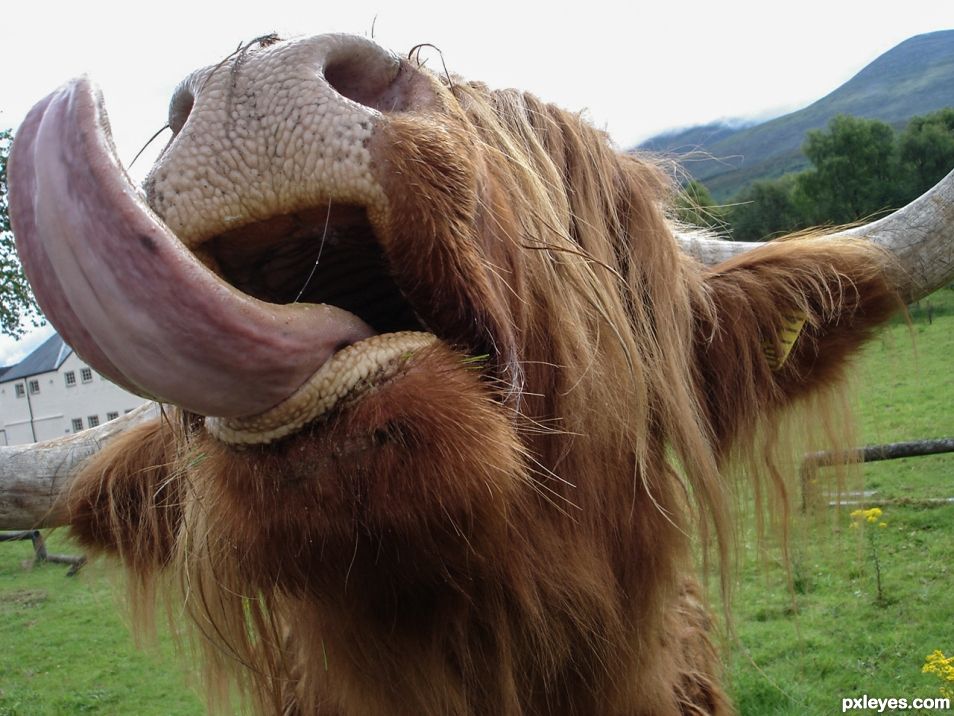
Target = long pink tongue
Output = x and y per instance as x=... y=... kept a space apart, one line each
x=129 y=297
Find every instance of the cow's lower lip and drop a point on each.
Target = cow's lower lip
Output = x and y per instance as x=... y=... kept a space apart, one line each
x=348 y=375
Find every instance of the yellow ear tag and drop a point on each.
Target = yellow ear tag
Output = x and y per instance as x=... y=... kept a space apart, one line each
x=788 y=333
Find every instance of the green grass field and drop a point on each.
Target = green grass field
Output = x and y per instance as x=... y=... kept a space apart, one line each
x=801 y=644
x=64 y=648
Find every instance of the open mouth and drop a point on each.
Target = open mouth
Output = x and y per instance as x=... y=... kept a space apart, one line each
x=300 y=308
x=328 y=255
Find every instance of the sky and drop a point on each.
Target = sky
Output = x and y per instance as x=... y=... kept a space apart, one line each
x=635 y=69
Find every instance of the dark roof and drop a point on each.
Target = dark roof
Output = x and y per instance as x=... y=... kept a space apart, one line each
x=48 y=357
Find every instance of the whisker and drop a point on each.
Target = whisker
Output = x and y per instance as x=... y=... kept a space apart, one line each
x=417 y=49
x=321 y=246
x=146 y=145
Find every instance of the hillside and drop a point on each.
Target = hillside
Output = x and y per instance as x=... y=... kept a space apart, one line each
x=688 y=140
x=913 y=78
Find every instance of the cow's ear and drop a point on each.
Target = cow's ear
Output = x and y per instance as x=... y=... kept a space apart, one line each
x=126 y=499
x=782 y=321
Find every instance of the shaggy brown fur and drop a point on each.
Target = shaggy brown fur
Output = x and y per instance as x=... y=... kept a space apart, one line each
x=508 y=538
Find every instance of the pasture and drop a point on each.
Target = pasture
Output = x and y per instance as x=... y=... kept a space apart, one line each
x=801 y=643
x=804 y=644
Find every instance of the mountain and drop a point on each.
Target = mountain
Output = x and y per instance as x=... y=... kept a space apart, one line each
x=914 y=78
x=692 y=138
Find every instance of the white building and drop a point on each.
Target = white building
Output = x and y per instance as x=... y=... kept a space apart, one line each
x=52 y=392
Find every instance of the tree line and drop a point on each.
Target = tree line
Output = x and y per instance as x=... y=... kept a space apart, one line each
x=18 y=309
x=860 y=169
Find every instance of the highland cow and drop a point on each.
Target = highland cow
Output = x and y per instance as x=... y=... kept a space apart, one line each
x=446 y=399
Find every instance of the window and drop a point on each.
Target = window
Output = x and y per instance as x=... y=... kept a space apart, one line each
x=87 y=375
x=111 y=416
x=34 y=387
x=70 y=378
x=92 y=421
x=19 y=390
x=77 y=424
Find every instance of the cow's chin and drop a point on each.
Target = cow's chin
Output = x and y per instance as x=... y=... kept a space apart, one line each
x=424 y=458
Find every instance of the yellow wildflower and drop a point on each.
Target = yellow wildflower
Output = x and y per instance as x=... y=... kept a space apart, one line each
x=942 y=666
x=871 y=516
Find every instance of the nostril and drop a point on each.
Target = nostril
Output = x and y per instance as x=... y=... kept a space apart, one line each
x=371 y=77
x=180 y=107
x=354 y=78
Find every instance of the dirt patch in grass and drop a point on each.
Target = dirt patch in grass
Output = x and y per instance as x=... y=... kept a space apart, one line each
x=24 y=598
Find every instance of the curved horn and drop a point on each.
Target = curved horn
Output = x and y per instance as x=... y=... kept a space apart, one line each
x=33 y=476
x=708 y=250
x=920 y=236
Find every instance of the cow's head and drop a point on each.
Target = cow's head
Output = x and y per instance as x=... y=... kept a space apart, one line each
x=437 y=348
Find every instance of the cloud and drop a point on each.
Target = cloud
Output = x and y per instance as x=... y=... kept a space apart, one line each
x=13 y=351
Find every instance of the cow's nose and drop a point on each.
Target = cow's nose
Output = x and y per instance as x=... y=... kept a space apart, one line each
x=352 y=67
x=276 y=128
